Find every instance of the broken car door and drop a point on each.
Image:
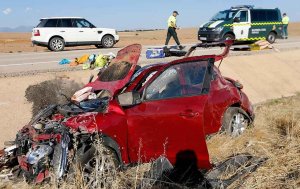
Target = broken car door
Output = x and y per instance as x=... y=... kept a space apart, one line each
x=170 y=117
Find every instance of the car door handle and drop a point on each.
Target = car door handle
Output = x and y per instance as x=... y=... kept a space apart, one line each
x=62 y=31
x=80 y=31
x=189 y=114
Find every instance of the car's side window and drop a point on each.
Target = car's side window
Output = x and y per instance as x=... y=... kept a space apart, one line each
x=145 y=80
x=243 y=16
x=165 y=86
x=81 y=23
x=184 y=79
x=51 y=23
x=194 y=75
x=65 y=23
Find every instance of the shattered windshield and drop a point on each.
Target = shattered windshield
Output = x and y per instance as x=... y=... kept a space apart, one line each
x=115 y=71
x=224 y=15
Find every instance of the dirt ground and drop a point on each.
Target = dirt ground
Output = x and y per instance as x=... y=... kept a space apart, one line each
x=20 y=42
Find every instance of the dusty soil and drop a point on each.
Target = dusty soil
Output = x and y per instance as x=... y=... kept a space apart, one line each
x=20 y=42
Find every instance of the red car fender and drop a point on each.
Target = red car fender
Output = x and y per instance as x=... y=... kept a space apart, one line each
x=222 y=95
x=112 y=125
x=247 y=106
x=83 y=122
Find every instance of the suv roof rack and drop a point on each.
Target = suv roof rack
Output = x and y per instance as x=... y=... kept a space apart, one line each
x=243 y=7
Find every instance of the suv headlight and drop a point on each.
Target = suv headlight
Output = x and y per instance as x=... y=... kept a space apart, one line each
x=218 y=29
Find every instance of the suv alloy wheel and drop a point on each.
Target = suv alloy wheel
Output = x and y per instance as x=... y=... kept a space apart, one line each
x=108 y=41
x=56 y=44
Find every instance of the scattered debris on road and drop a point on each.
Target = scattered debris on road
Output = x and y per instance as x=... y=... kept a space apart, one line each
x=152 y=53
x=262 y=45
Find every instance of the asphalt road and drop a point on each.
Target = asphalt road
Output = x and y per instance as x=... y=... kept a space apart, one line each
x=45 y=61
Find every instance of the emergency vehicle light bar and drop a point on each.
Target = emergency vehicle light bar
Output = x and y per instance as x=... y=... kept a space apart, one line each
x=243 y=7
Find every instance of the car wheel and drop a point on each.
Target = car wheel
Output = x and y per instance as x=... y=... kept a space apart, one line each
x=108 y=41
x=98 y=46
x=271 y=37
x=56 y=44
x=229 y=36
x=235 y=121
x=99 y=166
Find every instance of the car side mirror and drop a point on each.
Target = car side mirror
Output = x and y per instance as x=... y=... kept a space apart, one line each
x=236 y=19
x=129 y=98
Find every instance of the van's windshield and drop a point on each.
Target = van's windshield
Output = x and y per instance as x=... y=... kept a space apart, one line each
x=224 y=15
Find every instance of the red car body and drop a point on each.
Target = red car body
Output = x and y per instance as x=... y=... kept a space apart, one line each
x=145 y=130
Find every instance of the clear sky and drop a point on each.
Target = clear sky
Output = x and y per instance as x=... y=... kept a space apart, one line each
x=129 y=14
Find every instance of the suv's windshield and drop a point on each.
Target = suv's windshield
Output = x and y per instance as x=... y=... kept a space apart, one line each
x=224 y=15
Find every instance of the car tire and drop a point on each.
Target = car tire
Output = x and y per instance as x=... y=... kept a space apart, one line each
x=271 y=38
x=98 y=46
x=235 y=121
x=108 y=41
x=56 y=44
x=228 y=36
x=107 y=162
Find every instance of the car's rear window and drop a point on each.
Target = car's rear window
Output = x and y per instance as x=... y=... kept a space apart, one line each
x=42 y=23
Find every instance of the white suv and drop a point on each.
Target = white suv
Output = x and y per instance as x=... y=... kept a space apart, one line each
x=58 y=32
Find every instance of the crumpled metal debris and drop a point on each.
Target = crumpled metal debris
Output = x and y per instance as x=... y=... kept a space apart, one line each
x=241 y=166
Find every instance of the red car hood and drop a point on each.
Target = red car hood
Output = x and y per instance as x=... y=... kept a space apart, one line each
x=129 y=54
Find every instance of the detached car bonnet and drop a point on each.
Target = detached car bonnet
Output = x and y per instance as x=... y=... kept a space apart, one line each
x=119 y=72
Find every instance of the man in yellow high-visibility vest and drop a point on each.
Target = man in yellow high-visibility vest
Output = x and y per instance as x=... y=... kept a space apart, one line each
x=285 y=22
x=172 y=30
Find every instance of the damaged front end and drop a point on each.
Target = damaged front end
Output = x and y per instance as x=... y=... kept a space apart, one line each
x=41 y=143
x=46 y=144
x=50 y=142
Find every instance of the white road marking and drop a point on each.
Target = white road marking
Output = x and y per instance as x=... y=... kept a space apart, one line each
x=3 y=103
x=22 y=64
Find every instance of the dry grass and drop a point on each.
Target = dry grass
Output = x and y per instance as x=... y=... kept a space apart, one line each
x=50 y=92
x=275 y=134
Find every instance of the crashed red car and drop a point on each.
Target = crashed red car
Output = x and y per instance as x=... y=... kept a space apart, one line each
x=139 y=114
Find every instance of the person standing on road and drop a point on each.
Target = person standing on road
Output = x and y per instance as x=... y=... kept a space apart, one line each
x=172 y=30
x=285 y=22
